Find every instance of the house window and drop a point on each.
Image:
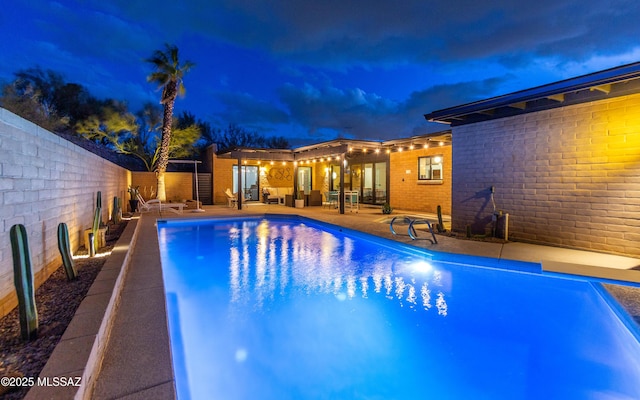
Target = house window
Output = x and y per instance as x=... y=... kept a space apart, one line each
x=430 y=168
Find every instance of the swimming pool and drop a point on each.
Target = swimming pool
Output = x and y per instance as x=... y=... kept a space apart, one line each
x=289 y=308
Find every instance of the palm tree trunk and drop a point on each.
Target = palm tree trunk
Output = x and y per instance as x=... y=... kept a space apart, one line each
x=163 y=157
x=161 y=186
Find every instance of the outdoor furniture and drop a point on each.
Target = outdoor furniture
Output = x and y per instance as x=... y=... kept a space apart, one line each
x=315 y=198
x=351 y=198
x=332 y=198
x=156 y=204
x=288 y=200
x=232 y=201
x=279 y=193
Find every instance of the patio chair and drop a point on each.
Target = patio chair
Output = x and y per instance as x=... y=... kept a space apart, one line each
x=156 y=204
x=332 y=199
x=232 y=201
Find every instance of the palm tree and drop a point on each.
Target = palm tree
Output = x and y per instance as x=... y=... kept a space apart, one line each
x=168 y=75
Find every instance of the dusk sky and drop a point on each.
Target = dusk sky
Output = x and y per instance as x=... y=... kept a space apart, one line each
x=318 y=70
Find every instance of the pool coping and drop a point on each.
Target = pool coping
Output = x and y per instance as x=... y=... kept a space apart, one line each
x=81 y=348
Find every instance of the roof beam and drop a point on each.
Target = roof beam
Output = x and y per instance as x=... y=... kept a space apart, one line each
x=557 y=97
x=520 y=106
x=602 y=88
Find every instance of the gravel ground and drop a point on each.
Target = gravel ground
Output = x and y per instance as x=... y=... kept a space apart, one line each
x=57 y=301
x=628 y=297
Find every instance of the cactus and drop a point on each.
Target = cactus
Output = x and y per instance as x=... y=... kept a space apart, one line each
x=23 y=280
x=96 y=220
x=65 y=251
x=440 y=224
x=115 y=213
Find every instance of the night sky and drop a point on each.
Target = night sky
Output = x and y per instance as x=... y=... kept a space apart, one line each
x=317 y=70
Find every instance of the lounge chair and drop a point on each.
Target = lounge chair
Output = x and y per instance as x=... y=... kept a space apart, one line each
x=232 y=201
x=156 y=204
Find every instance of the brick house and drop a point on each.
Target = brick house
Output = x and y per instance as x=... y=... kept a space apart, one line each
x=563 y=160
x=410 y=174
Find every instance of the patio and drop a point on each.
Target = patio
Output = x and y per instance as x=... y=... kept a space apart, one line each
x=132 y=339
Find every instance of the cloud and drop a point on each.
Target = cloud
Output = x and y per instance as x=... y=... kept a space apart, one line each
x=339 y=33
x=245 y=109
x=355 y=68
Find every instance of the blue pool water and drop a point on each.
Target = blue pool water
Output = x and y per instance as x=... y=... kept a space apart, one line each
x=283 y=308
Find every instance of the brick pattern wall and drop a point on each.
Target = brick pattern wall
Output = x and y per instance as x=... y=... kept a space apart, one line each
x=45 y=180
x=222 y=178
x=178 y=185
x=406 y=192
x=568 y=176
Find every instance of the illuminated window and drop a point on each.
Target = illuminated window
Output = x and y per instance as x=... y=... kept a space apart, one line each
x=430 y=168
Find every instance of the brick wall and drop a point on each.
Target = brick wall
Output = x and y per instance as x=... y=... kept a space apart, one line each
x=178 y=185
x=222 y=178
x=407 y=193
x=45 y=180
x=568 y=176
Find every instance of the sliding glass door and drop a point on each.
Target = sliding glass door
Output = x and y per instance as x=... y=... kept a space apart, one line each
x=250 y=179
x=374 y=183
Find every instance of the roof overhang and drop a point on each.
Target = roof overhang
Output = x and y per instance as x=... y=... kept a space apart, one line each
x=338 y=147
x=614 y=82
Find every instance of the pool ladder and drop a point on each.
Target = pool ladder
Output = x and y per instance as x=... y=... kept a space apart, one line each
x=411 y=230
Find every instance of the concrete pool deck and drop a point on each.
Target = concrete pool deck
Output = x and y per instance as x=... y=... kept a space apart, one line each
x=130 y=356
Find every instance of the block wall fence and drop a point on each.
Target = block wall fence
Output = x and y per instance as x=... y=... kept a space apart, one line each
x=568 y=176
x=45 y=180
x=178 y=185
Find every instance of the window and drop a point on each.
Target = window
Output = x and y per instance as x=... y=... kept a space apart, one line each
x=430 y=168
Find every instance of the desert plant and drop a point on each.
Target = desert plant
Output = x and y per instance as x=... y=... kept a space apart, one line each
x=65 y=252
x=440 y=224
x=97 y=215
x=116 y=210
x=134 y=192
x=23 y=280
